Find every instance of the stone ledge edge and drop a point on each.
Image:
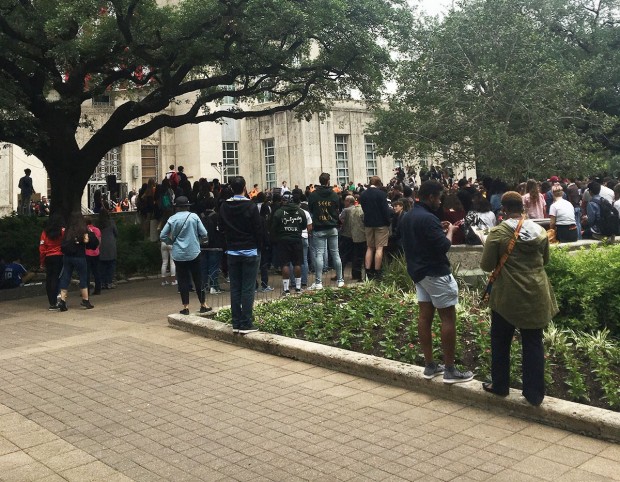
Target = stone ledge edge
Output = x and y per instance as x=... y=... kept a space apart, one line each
x=574 y=417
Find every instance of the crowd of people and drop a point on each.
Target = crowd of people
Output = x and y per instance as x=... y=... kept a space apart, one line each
x=209 y=229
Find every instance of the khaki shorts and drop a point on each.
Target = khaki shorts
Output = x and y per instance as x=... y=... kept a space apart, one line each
x=377 y=237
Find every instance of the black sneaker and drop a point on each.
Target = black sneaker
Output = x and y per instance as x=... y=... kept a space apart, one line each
x=298 y=291
x=249 y=329
x=62 y=305
x=86 y=304
x=286 y=293
x=184 y=311
x=205 y=309
x=54 y=307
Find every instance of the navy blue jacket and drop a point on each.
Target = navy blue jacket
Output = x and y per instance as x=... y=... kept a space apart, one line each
x=425 y=244
x=375 y=207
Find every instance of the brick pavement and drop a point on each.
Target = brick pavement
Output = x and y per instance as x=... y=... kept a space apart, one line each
x=112 y=394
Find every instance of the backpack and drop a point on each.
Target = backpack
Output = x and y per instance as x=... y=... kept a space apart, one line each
x=166 y=201
x=174 y=180
x=609 y=222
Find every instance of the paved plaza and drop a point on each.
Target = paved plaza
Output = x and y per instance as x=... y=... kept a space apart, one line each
x=114 y=394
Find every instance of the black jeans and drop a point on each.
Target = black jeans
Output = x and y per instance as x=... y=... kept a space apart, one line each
x=533 y=359
x=242 y=271
x=185 y=270
x=92 y=264
x=53 y=268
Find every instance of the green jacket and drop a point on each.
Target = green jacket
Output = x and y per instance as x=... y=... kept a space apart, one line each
x=522 y=293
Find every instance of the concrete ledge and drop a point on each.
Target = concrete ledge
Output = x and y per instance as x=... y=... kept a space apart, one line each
x=595 y=422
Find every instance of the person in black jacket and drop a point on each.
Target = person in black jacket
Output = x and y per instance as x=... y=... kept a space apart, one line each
x=426 y=241
x=323 y=204
x=377 y=217
x=241 y=224
x=211 y=253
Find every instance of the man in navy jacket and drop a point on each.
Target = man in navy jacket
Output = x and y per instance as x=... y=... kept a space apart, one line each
x=377 y=218
x=426 y=242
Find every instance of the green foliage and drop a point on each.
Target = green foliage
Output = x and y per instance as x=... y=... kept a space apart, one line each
x=136 y=256
x=19 y=235
x=481 y=85
x=381 y=319
x=586 y=287
x=55 y=56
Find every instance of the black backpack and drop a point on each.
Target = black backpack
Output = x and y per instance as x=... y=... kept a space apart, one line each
x=609 y=222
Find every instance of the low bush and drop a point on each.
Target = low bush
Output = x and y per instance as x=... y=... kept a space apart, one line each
x=136 y=255
x=381 y=319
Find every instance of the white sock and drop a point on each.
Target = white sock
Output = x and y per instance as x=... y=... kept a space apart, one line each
x=297 y=283
x=285 y=283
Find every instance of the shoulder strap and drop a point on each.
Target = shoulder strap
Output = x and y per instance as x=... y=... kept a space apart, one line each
x=177 y=235
x=511 y=245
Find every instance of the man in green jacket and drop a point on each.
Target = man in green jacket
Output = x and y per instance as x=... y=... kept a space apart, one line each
x=287 y=224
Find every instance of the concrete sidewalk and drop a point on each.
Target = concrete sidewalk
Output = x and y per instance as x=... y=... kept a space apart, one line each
x=113 y=394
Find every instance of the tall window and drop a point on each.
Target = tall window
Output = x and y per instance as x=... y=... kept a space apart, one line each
x=342 y=159
x=109 y=165
x=269 y=153
x=150 y=163
x=230 y=160
x=371 y=157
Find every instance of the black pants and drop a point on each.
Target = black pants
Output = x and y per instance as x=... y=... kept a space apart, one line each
x=566 y=234
x=92 y=263
x=186 y=271
x=533 y=359
x=53 y=267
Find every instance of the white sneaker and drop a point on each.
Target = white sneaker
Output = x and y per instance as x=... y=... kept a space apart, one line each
x=174 y=283
x=214 y=291
x=340 y=283
x=164 y=283
x=316 y=286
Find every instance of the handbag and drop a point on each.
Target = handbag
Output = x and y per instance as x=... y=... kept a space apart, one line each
x=493 y=276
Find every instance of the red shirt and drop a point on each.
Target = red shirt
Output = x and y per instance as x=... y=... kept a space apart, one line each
x=50 y=247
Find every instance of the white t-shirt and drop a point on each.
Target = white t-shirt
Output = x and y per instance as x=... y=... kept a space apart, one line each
x=304 y=233
x=563 y=211
x=608 y=194
x=488 y=218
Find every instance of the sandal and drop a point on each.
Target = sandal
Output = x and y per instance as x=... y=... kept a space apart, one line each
x=488 y=387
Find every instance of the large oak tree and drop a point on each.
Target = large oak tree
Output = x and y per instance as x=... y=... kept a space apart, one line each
x=57 y=54
x=520 y=87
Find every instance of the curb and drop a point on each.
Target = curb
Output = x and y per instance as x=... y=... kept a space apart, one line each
x=574 y=417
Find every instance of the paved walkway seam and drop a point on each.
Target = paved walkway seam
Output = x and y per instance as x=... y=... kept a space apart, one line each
x=574 y=417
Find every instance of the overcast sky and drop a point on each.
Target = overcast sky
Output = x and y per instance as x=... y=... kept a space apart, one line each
x=433 y=7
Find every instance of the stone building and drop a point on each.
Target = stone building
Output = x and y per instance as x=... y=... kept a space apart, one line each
x=265 y=150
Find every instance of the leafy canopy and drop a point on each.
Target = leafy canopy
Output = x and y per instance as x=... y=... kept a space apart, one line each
x=520 y=87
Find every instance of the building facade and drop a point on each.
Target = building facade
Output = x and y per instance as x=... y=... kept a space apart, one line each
x=265 y=150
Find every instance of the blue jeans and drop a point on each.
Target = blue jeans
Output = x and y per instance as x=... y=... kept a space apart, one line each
x=210 y=268
x=578 y=222
x=323 y=241
x=69 y=263
x=242 y=271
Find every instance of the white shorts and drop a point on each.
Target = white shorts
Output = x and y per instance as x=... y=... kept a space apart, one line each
x=442 y=291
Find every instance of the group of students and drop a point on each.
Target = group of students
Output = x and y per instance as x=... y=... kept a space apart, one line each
x=79 y=247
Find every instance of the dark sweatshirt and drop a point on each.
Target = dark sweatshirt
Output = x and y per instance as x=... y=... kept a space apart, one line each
x=288 y=222
x=240 y=222
x=323 y=205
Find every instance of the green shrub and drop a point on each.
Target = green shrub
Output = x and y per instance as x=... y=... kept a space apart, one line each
x=587 y=289
x=136 y=256
x=19 y=235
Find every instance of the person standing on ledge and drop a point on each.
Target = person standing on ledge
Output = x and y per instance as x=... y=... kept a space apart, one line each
x=426 y=242
x=25 y=184
x=522 y=298
x=241 y=224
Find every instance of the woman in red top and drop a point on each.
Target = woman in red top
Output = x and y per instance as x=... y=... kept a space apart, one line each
x=50 y=257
